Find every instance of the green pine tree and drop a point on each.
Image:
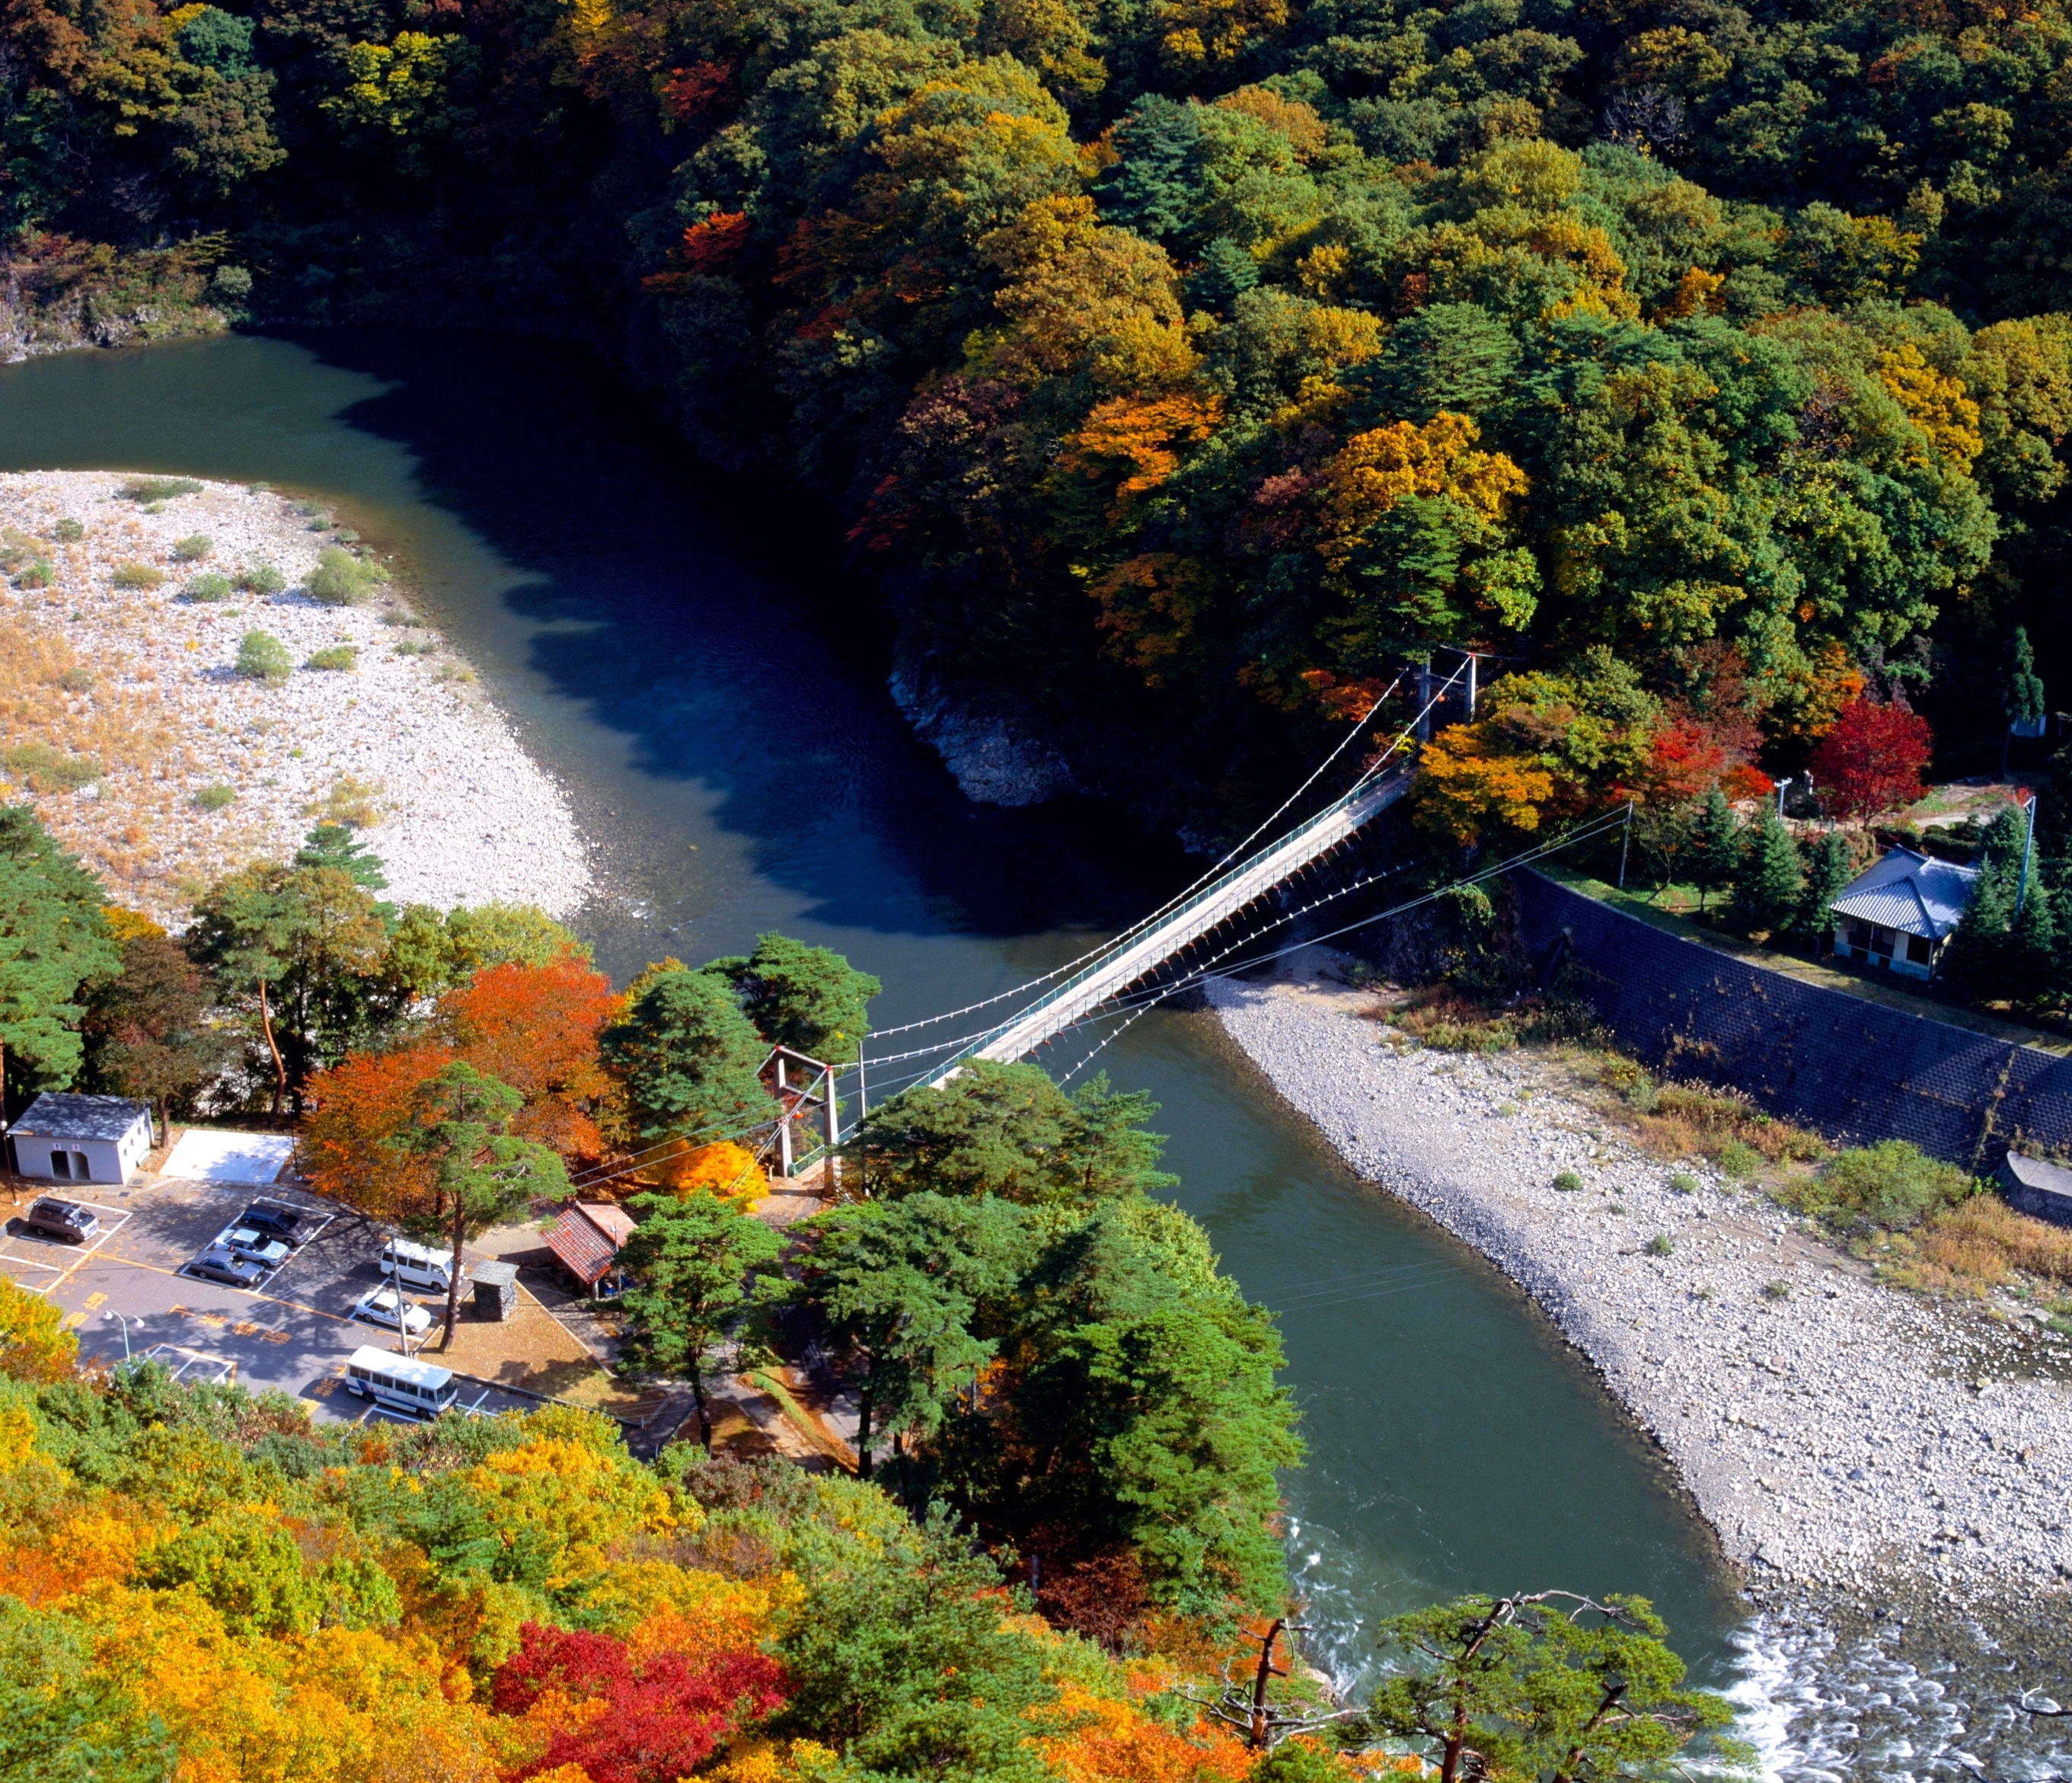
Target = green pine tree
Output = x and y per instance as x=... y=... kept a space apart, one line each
x=689 y=1060
x=1715 y=845
x=2032 y=944
x=1770 y=888
x=809 y=999
x=1975 y=965
x=2022 y=692
x=1828 y=869
x=53 y=938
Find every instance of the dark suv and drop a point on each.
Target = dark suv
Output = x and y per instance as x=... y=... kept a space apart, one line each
x=279 y=1220
x=63 y=1220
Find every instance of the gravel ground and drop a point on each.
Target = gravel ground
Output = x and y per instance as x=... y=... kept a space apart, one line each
x=139 y=683
x=1847 y=1436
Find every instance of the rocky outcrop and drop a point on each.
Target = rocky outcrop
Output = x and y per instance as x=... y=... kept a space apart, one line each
x=993 y=762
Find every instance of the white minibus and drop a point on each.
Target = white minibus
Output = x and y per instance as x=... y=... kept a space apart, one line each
x=402 y=1382
x=417 y=1266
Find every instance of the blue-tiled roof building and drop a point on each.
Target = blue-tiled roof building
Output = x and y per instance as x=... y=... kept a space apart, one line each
x=1898 y=915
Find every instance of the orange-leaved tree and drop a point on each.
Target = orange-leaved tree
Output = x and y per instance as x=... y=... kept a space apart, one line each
x=534 y=1028
x=356 y=1109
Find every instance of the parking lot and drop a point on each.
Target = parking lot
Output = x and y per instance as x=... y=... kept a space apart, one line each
x=127 y=1291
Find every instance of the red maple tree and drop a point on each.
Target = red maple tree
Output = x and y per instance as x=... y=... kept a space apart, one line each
x=662 y=1719
x=1873 y=760
x=534 y=1028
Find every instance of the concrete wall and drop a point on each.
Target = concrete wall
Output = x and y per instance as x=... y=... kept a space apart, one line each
x=1856 y=1070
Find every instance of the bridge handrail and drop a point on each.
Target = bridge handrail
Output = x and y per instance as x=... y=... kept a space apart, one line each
x=1366 y=789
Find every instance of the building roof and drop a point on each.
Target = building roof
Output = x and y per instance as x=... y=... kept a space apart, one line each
x=54 y=1115
x=586 y=1238
x=1913 y=893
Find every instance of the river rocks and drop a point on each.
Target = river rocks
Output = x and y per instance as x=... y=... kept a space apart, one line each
x=199 y=769
x=1833 y=1432
x=992 y=762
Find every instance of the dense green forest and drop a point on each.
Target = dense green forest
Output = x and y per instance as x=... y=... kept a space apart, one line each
x=1183 y=364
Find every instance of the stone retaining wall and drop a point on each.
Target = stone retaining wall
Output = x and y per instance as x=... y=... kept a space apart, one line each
x=1856 y=1070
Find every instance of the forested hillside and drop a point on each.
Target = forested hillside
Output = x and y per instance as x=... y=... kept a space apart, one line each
x=1177 y=363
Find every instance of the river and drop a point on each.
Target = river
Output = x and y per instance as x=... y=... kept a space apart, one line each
x=684 y=650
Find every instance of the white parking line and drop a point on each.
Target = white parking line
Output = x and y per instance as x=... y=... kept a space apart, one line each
x=61 y=1271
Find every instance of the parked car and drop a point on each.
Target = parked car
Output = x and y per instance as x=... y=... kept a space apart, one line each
x=66 y=1222
x=377 y=1307
x=417 y=1266
x=219 y=1263
x=262 y=1248
x=283 y=1222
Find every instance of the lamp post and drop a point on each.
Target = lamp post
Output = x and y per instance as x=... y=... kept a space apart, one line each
x=125 y=1323
x=1781 y=786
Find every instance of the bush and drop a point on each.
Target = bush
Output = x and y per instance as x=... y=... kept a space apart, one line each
x=264 y=657
x=1891 y=1187
x=193 y=548
x=352 y=801
x=216 y=798
x=1739 y=1159
x=340 y=655
x=231 y=285
x=1660 y=1245
x=341 y=579
x=1682 y=1183
x=157 y=488
x=76 y=680
x=208 y=586
x=36 y=573
x=69 y=531
x=139 y=575
x=1568 y=1182
x=414 y=647
x=43 y=769
x=260 y=579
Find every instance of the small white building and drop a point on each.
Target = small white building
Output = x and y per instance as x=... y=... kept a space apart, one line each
x=66 y=1138
x=1898 y=914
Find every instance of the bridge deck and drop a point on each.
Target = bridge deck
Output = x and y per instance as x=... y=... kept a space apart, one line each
x=1244 y=884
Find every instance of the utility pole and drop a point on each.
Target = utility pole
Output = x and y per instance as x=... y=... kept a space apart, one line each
x=1625 y=843
x=1425 y=701
x=1472 y=665
x=1781 y=786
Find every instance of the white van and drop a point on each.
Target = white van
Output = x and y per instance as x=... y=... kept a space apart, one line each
x=417 y=1266
x=402 y=1382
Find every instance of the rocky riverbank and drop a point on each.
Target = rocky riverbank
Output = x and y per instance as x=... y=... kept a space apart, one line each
x=1837 y=1434
x=124 y=717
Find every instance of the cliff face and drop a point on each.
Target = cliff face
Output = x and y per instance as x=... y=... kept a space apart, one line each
x=994 y=760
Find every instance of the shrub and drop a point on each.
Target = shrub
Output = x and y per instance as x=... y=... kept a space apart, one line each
x=351 y=800
x=43 y=769
x=1682 y=1182
x=208 y=586
x=36 y=573
x=341 y=579
x=1568 y=1182
x=1892 y=1186
x=76 y=680
x=1684 y=1119
x=216 y=798
x=260 y=579
x=264 y=657
x=323 y=523
x=69 y=531
x=340 y=655
x=230 y=284
x=1777 y=1291
x=414 y=647
x=157 y=488
x=1660 y=1245
x=193 y=548
x=139 y=575
x=1738 y=1158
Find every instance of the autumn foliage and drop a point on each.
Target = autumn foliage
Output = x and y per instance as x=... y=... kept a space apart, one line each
x=1873 y=760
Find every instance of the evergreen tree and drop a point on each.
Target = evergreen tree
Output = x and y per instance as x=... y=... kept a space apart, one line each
x=1828 y=868
x=1715 y=845
x=2021 y=694
x=2032 y=944
x=338 y=844
x=693 y=1260
x=1974 y=965
x=2001 y=848
x=1769 y=887
x=53 y=938
x=809 y=999
x=689 y=1060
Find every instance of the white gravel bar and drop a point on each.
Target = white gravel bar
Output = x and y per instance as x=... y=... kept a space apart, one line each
x=1849 y=1436
x=140 y=683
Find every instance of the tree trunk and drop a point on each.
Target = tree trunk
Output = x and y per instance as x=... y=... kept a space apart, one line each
x=453 y=1276
x=280 y=1065
x=863 y=1435
x=704 y=1409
